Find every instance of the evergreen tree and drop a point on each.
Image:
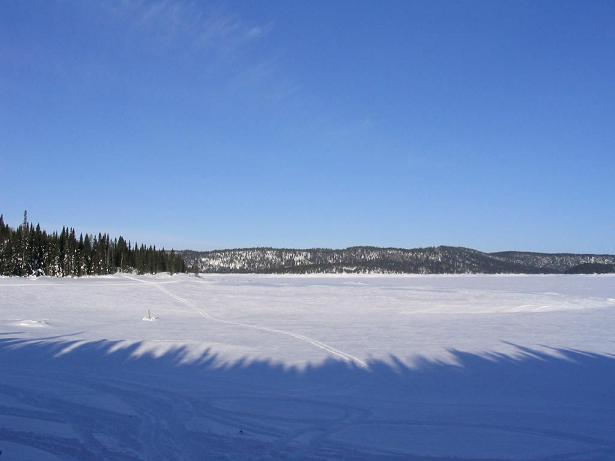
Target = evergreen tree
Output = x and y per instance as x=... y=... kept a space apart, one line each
x=30 y=250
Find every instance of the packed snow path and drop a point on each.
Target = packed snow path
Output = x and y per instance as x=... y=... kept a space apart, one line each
x=312 y=367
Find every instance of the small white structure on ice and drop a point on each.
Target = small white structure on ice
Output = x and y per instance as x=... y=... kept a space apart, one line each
x=149 y=317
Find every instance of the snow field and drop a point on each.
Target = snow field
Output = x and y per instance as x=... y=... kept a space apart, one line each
x=308 y=367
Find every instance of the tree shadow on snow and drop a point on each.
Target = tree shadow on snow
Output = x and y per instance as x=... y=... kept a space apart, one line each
x=118 y=401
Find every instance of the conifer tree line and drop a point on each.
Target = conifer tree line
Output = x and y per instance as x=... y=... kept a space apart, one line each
x=29 y=250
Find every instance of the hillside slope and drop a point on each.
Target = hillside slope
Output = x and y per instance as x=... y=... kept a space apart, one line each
x=431 y=260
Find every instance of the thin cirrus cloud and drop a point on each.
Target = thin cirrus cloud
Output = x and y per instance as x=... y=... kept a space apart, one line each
x=202 y=26
x=232 y=44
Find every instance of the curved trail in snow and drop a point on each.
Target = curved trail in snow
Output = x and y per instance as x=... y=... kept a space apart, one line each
x=314 y=342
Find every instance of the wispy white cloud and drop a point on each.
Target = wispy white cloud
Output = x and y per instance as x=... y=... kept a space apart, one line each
x=259 y=31
x=231 y=44
x=266 y=80
x=202 y=25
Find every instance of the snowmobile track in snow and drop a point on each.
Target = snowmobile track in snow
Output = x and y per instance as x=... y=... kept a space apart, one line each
x=314 y=342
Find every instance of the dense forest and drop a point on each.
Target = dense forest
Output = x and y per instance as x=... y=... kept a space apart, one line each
x=29 y=250
x=592 y=268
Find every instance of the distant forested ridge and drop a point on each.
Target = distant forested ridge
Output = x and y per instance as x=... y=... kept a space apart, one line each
x=29 y=250
x=431 y=260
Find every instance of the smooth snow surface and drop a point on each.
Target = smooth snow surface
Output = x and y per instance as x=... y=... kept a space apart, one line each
x=247 y=367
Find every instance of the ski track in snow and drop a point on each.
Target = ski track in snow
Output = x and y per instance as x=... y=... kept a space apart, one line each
x=314 y=342
x=158 y=428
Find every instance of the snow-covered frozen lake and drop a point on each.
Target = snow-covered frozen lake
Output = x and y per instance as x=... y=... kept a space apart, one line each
x=308 y=367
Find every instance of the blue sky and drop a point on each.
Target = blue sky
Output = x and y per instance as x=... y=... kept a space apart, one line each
x=197 y=124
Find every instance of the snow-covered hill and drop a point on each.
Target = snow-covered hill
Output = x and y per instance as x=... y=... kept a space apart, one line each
x=555 y=262
x=432 y=260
